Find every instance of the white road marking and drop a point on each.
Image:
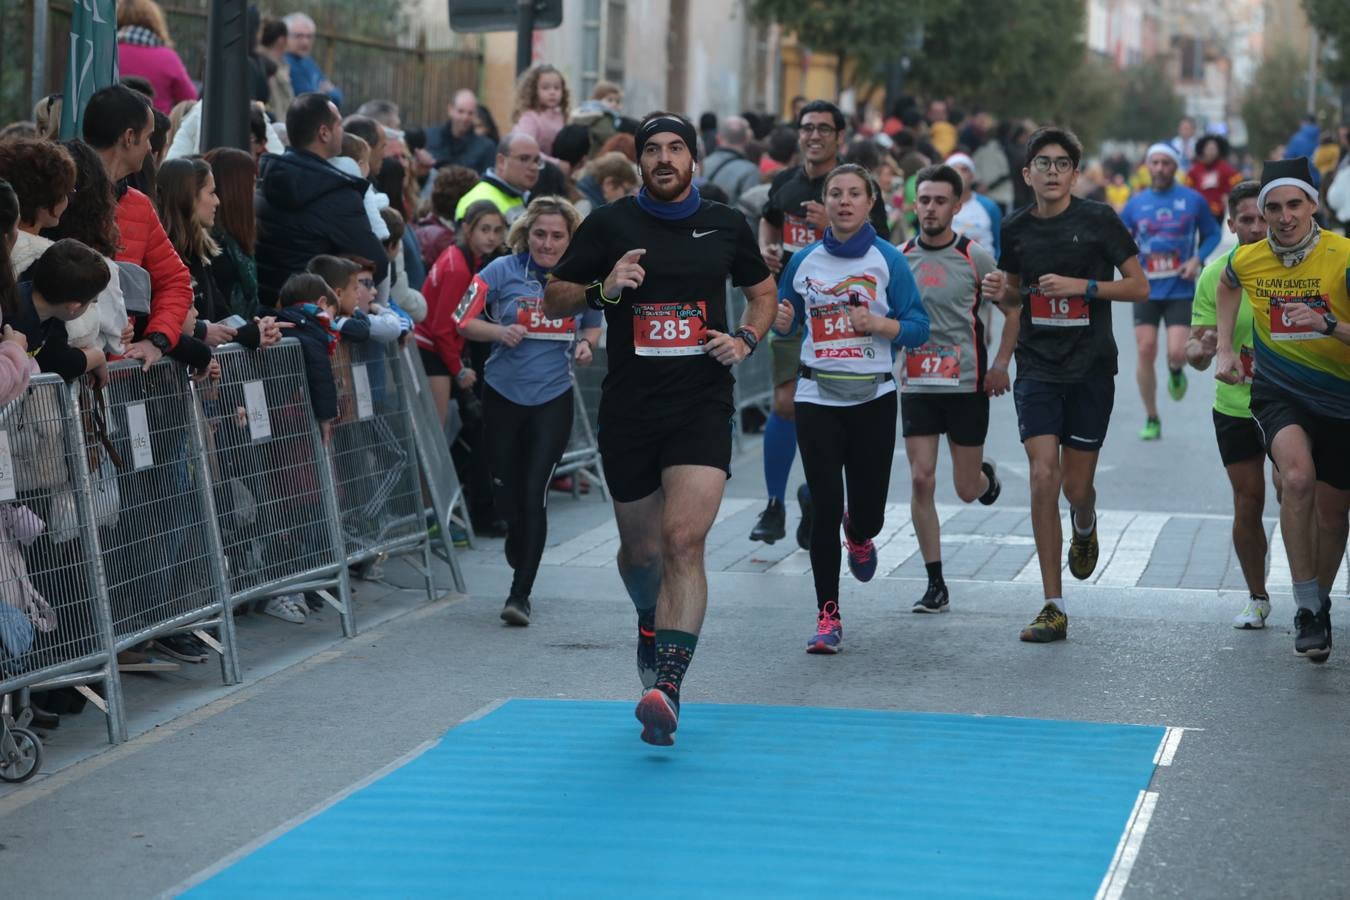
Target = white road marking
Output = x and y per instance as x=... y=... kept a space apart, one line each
x=1167 y=749
x=1127 y=851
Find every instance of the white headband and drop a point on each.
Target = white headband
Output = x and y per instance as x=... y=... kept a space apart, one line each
x=1166 y=150
x=960 y=159
x=1299 y=183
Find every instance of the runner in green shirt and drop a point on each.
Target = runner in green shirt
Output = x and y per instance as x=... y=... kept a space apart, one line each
x=1240 y=445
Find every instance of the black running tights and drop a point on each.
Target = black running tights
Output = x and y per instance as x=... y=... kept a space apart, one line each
x=839 y=443
x=524 y=445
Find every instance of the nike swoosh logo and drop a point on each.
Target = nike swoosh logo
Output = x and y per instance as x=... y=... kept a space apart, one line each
x=699 y=234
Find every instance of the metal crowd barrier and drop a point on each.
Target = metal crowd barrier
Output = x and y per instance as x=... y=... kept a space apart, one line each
x=273 y=487
x=159 y=506
x=375 y=460
x=754 y=376
x=54 y=625
x=162 y=558
x=439 y=478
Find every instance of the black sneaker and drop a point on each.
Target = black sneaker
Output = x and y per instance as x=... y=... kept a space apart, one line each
x=516 y=611
x=934 y=600
x=1082 y=550
x=772 y=524
x=804 y=526
x=990 y=470
x=1312 y=634
x=184 y=647
x=646 y=656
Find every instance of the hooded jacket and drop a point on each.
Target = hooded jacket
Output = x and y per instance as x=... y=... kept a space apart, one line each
x=306 y=207
x=145 y=244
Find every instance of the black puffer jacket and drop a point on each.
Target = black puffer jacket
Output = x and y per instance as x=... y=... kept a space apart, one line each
x=307 y=208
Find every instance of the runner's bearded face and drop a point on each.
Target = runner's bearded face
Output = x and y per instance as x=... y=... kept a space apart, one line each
x=1288 y=213
x=818 y=138
x=667 y=167
x=847 y=202
x=937 y=207
x=1248 y=225
x=548 y=239
x=1051 y=174
x=1163 y=171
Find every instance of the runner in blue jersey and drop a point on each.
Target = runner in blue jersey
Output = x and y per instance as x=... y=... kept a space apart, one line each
x=855 y=300
x=1175 y=232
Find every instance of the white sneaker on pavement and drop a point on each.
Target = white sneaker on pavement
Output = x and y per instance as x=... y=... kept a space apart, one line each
x=1254 y=614
x=285 y=608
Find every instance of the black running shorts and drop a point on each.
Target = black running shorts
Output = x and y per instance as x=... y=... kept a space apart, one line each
x=1153 y=312
x=635 y=453
x=1274 y=410
x=433 y=364
x=1239 y=438
x=963 y=418
x=1077 y=412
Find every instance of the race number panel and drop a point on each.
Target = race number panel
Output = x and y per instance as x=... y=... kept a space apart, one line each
x=1058 y=312
x=832 y=333
x=933 y=365
x=797 y=233
x=675 y=328
x=1162 y=265
x=539 y=327
x=1281 y=329
x=1247 y=357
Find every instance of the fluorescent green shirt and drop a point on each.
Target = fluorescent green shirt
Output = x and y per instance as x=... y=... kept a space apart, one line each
x=1230 y=399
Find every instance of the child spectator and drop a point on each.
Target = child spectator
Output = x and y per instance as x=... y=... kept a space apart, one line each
x=65 y=280
x=309 y=305
x=542 y=104
x=355 y=161
x=403 y=298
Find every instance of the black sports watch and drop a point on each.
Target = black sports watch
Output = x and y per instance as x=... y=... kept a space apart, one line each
x=1332 y=322
x=749 y=337
x=160 y=341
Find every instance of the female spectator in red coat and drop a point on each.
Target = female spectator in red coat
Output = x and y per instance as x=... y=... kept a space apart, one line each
x=438 y=338
x=145 y=49
x=1211 y=174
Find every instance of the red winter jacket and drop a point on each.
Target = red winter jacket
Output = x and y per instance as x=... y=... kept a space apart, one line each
x=145 y=244
x=443 y=289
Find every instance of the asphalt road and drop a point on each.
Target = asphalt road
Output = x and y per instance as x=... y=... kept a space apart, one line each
x=1254 y=804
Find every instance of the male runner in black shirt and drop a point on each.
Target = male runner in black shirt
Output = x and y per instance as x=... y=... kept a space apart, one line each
x=794 y=216
x=1059 y=260
x=657 y=264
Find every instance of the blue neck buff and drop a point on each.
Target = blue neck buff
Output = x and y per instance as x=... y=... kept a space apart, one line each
x=855 y=246
x=670 y=211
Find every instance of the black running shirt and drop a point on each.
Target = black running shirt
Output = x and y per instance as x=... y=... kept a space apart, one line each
x=787 y=192
x=1066 y=339
x=656 y=333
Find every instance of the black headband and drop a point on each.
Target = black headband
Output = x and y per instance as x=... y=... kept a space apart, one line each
x=672 y=124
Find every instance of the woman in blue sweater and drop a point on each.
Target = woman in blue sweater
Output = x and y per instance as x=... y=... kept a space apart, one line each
x=527 y=400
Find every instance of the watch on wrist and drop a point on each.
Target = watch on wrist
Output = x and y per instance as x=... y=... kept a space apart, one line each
x=1091 y=292
x=1331 y=322
x=747 y=335
x=160 y=341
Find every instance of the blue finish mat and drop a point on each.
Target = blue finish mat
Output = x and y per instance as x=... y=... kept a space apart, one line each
x=559 y=798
